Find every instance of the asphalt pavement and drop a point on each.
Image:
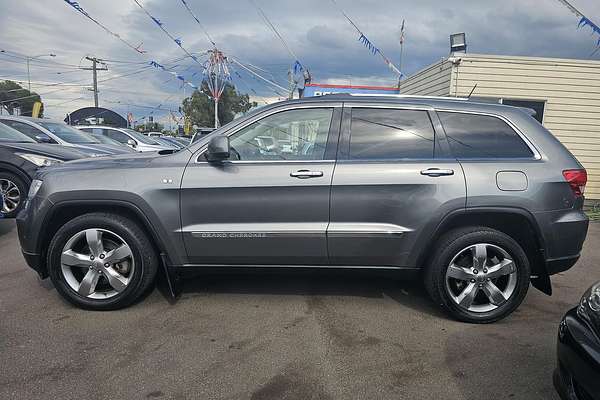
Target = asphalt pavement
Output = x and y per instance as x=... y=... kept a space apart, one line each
x=276 y=337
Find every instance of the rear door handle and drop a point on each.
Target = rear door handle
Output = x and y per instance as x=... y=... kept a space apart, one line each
x=437 y=172
x=304 y=174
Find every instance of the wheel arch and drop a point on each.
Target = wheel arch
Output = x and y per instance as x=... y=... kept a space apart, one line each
x=67 y=210
x=15 y=170
x=515 y=222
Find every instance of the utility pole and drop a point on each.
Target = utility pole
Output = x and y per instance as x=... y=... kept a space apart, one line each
x=94 y=70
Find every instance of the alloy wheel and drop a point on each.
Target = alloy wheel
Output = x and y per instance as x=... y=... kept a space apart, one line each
x=11 y=196
x=481 y=278
x=97 y=263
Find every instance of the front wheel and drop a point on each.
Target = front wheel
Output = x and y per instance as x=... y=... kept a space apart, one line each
x=478 y=274
x=101 y=261
x=13 y=192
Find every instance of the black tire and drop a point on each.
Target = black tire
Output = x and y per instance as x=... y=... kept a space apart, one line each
x=23 y=188
x=451 y=244
x=143 y=254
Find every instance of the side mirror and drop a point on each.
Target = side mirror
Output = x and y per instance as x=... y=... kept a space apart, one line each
x=218 y=148
x=43 y=139
x=131 y=142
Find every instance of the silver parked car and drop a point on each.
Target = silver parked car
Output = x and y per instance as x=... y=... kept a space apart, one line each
x=44 y=130
x=129 y=137
x=478 y=200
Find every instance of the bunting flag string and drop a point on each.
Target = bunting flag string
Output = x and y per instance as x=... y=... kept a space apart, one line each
x=583 y=20
x=586 y=22
x=177 y=76
x=297 y=66
x=363 y=39
x=158 y=23
x=80 y=9
x=187 y=7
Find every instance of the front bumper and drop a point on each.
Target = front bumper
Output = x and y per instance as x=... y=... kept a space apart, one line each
x=30 y=227
x=577 y=376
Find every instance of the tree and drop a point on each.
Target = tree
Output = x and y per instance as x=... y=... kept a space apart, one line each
x=201 y=110
x=149 y=127
x=13 y=95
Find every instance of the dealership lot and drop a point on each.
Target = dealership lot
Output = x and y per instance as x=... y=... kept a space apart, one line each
x=276 y=337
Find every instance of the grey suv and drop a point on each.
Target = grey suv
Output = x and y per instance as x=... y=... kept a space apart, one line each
x=477 y=199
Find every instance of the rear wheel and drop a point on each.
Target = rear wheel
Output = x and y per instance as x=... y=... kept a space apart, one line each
x=101 y=261
x=478 y=274
x=13 y=192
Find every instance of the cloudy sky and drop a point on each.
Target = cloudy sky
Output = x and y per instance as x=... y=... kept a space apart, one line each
x=313 y=29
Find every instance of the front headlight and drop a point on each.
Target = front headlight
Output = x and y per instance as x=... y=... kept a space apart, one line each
x=39 y=160
x=589 y=306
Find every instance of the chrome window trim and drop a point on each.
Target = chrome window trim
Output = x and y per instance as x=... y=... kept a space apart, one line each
x=536 y=154
x=268 y=113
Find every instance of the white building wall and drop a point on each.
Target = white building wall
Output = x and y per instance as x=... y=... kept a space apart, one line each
x=570 y=88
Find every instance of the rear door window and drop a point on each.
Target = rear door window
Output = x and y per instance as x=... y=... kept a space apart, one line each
x=482 y=136
x=387 y=134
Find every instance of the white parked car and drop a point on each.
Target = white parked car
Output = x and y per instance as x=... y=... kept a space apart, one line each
x=127 y=136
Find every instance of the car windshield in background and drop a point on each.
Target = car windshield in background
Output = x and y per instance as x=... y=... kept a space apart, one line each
x=141 y=138
x=68 y=134
x=8 y=134
x=105 y=139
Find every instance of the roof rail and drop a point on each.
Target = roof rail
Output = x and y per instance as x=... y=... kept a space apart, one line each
x=408 y=96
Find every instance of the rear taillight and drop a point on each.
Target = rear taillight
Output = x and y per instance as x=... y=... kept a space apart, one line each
x=577 y=179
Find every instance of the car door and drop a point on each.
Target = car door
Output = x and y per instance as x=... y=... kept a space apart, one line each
x=268 y=204
x=393 y=181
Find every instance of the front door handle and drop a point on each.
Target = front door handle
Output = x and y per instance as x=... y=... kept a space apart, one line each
x=437 y=172
x=304 y=174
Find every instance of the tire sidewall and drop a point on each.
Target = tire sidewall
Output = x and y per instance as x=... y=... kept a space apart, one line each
x=466 y=239
x=55 y=271
x=23 y=188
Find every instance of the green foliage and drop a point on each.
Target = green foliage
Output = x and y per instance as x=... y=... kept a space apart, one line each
x=11 y=93
x=201 y=110
x=149 y=127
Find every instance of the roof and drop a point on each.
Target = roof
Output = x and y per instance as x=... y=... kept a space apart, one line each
x=36 y=120
x=454 y=103
x=332 y=86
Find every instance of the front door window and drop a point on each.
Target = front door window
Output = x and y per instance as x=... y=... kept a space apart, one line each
x=289 y=135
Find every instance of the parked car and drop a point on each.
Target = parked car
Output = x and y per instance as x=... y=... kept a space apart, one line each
x=577 y=376
x=57 y=132
x=129 y=137
x=185 y=141
x=153 y=134
x=20 y=157
x=106 y=140
x=170 y=141
x=477 y=199
x=201 y=133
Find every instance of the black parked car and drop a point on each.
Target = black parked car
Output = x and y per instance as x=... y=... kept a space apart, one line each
x=20 y=157
x=577 y=376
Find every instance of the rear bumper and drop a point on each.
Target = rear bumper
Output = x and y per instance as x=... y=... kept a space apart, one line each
x=564 y=232
x=577 y=376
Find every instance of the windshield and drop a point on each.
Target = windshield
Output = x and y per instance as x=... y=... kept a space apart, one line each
x=141 y=138
x=68 y=134
x=8 y=134
x=105 y=139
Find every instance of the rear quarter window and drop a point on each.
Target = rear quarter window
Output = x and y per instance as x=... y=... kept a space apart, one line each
x=482 y=136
